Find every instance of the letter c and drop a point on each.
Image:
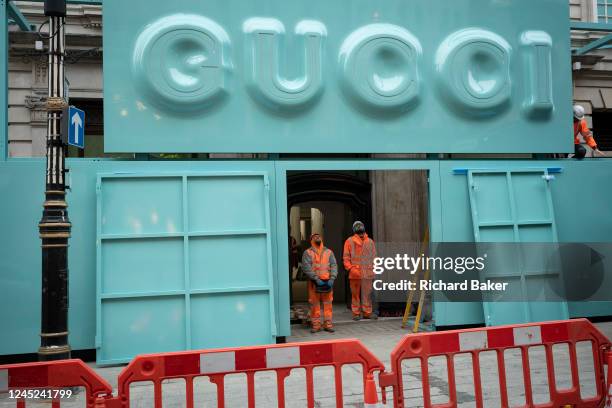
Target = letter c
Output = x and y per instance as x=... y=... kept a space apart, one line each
x=379 y=67
x=473 y=67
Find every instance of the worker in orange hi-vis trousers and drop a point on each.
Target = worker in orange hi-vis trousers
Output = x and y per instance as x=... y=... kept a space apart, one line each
x=319 y=265
x=358 y=259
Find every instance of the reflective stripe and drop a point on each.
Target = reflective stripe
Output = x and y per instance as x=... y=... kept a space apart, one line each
x=3 y=380
x=527 y=335
x=320 y=262
x=365 y=258
x=282 y=357
x=473 y=341
x=217 y=362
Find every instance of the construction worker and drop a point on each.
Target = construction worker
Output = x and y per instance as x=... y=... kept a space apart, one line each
x=358 y=259
x=581 y=128
x=319 y=265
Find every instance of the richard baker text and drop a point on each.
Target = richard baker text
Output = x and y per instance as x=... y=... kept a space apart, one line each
x=438 y=285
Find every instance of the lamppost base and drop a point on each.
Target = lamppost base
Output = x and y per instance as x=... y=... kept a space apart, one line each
x=52 y=353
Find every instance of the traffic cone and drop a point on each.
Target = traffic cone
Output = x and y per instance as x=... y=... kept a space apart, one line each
x=370 y=396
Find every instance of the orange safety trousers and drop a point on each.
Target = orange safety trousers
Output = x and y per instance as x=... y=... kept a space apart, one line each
x=361 y=296
x=315 y=298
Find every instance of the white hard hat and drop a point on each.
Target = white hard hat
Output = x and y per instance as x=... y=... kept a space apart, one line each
x=578 y=112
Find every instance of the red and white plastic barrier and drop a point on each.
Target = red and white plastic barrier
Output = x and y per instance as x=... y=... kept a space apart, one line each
x=53 y=375
x=423 y=346
x=282 y=358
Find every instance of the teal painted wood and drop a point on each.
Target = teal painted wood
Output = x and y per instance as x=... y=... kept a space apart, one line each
x=579 y=186
x=20 y=253
x=196 y=270
x=316 y=76
x=515 y=206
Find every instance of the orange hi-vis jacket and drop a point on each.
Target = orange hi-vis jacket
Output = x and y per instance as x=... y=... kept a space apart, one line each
x=581 y=127
x=358 y=257
x=319 y=264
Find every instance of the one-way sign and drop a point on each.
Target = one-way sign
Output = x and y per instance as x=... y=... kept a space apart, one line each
x=76 y=127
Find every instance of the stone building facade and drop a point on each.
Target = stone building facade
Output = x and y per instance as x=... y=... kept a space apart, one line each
x=592 y=73
x=28 y=77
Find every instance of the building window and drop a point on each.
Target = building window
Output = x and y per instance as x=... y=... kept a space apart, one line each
x=604 y=11
x=602 y=129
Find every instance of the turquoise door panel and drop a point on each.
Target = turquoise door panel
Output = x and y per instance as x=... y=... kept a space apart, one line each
x=244 y=256
x=516 y=206
x=230 y=319
x=319 y=76
x=163 y=260
x=180 y=266
x=147 y=215
x=140 y=324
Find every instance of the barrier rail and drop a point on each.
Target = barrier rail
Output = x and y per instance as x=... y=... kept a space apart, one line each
x=424 y=346
x=53 y=375
x=283 y=358
x=216 y=364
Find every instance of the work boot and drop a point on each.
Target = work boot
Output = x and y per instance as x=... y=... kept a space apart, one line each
x=372 y=316
x=329 y=329
x=313 y=330
x=356 y=317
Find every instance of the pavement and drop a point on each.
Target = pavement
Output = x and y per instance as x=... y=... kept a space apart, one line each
x=379 y=337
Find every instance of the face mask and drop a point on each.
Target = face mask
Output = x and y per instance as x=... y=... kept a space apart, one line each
x=359 y=230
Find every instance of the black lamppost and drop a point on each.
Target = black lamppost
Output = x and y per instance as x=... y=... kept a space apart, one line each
x=54 y=227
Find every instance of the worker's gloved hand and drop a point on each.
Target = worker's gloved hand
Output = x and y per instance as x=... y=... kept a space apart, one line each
x=330 y=283
x=319 y=282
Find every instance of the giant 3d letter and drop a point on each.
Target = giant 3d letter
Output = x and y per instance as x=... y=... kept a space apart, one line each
x=473 y=67
x=180 y=63
x=265 y=50
x=537 y=68
x=379 y=67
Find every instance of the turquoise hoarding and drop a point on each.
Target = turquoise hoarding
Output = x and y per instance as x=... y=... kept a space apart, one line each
x=20 y=256
x=321 y=76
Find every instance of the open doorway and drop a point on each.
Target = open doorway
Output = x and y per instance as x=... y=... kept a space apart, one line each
x=391 y=203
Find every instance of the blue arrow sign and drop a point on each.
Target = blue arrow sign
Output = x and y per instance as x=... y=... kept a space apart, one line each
x=76 y=127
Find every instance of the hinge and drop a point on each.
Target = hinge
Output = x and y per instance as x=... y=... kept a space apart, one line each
x=267 y=184
x=97 y=342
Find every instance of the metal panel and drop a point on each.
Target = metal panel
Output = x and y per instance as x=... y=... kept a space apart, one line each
x=317 y=76
x=184 y=262
x=19 y=18
x=515 y=206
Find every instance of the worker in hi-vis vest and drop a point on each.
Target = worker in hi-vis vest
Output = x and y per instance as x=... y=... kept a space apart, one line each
x=581 y=128
x=319 y=265
x=358 y=259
